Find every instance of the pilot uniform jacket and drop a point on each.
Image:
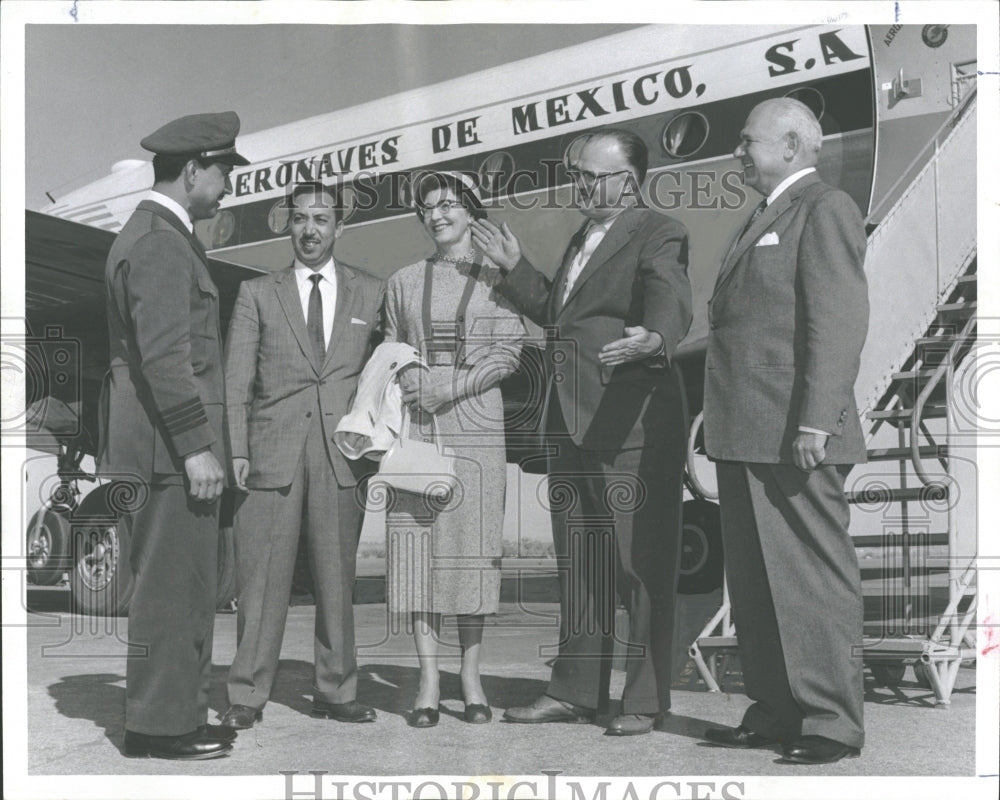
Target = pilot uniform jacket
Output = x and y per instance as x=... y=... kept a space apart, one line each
x=164 y=399
x=275 y=384
x=164 y=395
x=787 y=323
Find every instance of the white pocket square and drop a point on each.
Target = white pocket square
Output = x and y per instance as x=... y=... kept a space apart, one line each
x=356 y=321
x=766 y=239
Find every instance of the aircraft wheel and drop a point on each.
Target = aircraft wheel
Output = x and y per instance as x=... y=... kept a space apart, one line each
x=701 y=548
x=888 y=673
x=47 y=546
x=101 y=581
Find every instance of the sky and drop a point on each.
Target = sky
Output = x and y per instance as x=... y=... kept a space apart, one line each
x=93 y=91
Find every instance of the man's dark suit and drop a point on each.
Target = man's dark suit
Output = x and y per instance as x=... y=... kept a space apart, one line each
x=164 y=399
x=787 y=323
x=283 y=409
x=618 y=435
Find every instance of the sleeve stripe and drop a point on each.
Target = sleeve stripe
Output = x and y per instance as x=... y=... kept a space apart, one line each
x=184 y=427
x=181 y=408
x=185 y=416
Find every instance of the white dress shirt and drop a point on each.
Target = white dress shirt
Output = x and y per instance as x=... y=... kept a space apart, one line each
x=592 y=237
x=788 y=182
x=327 y=292
x=770 y=199
x=174 y=206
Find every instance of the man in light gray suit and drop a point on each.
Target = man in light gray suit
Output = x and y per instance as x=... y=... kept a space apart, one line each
x=297 y=342
x=787 y=323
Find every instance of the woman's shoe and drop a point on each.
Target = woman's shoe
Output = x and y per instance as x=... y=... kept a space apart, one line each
x=477 y=713
x=423 y=718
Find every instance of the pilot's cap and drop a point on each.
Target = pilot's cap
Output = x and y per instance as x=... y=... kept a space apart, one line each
x=207 y=136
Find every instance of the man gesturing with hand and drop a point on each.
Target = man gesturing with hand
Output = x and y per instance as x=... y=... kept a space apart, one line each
x=616 y=423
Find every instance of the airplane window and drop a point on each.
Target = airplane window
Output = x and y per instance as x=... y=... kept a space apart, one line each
x=495 y=172
x=278 y=216
x=685 y=134
x=811 y=97
x=223 y=228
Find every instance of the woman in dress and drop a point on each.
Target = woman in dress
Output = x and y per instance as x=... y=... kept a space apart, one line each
x=445 y=558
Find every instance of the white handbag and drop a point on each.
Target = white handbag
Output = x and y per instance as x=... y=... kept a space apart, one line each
x=422 y=468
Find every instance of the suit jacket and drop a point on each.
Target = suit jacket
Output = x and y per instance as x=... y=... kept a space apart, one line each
x=164 y=395
x=637 y=275
x=275 y=384
x=787 y=323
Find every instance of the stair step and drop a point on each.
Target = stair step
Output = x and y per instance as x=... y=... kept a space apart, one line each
x=933 y=494
x=903 y=453
x=893 y=568
x=930 y=412
x=942 y=340
x=951 y=309
x=878 y=540
x=965 y=280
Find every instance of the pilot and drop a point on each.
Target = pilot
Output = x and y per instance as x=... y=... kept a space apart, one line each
x=164 y=430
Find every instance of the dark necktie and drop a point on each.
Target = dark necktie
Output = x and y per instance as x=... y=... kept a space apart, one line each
x=314 y=319
x=754 y=217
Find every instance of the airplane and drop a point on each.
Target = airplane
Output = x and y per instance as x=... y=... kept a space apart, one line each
x=882 y=93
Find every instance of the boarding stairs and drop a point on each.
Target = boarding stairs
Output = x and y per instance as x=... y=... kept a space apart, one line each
x=913 y=518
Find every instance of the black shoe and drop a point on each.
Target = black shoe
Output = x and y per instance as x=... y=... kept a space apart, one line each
x=193 y=746
x=239 y=718
x=817 y=750
x=218 y=732
x=739 y=738
x=423 y=718
x=352 y=711
x=477 y=713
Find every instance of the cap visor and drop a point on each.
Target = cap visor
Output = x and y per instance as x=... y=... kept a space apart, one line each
x=231 y=158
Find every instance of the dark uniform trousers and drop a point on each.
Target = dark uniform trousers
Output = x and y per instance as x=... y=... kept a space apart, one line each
x=787 y=549
x=266 y=535
x=616 y=523
x=175 y=541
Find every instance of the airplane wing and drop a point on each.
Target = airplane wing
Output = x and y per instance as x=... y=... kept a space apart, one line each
x=65 y=354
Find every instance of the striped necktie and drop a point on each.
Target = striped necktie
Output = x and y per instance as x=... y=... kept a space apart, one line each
x=754 y=217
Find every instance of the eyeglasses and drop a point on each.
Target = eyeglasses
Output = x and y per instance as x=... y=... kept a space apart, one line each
x=746 y=141
x=445 y=207
x=588 y=178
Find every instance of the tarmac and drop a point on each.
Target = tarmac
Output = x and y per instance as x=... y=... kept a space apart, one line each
x=76 y=695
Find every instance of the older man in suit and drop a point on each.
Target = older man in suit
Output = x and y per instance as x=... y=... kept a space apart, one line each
x=788 y=320
x=616 y=419
x=297 y=341
x=163 y=427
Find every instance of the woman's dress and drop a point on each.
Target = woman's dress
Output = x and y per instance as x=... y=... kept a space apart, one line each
x=445 y=558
